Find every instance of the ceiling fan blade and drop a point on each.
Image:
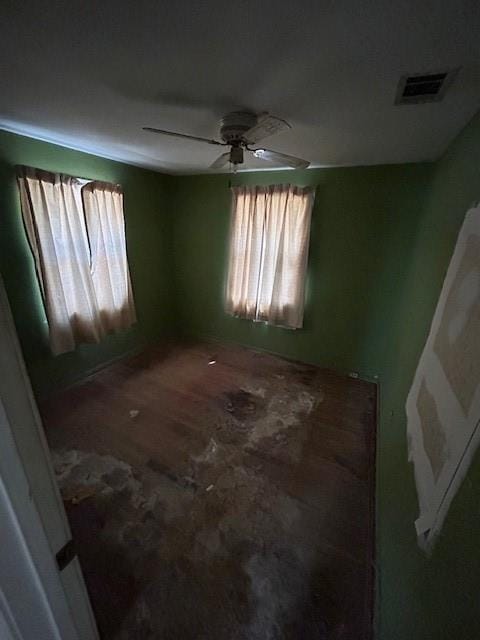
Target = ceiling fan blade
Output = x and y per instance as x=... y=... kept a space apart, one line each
x=266 y=126
x=280 y=158
x=221 y=161
x=182 y=135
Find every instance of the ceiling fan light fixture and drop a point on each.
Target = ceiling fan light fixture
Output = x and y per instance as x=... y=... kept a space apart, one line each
x=258 y=153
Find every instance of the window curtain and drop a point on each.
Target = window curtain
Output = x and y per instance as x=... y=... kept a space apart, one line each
x=269 y=241
x=58 y=231
x=103 y=205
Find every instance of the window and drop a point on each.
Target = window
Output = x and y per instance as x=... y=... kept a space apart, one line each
x=76 y=232
x=268 y=253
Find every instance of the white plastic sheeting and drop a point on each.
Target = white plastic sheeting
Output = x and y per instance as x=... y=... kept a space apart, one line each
x=443 y=406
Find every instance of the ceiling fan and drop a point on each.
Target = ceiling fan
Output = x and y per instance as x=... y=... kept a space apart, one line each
x=242 y=131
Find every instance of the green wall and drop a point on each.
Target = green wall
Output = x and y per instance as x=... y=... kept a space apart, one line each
x=147 y=230
x=422 y=598
x=363 y=222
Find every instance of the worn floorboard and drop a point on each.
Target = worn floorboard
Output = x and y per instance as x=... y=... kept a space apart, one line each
x=224 y=501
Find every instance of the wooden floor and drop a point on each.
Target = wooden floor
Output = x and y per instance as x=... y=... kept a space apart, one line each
x=218 y=493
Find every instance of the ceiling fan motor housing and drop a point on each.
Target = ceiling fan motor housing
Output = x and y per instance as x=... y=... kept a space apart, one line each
x=236 y=155
x=234 y=125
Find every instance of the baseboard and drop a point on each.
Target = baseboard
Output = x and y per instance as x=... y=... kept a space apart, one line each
x=200 y=337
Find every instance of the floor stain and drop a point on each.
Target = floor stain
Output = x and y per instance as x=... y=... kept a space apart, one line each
x=242 y=404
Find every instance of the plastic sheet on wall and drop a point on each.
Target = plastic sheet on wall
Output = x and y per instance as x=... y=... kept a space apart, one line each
x=443 y=405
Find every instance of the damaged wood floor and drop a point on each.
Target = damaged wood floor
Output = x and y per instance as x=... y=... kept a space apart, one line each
x=225 y=500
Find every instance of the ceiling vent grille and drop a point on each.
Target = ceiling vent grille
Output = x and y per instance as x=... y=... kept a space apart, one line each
x=424 y=87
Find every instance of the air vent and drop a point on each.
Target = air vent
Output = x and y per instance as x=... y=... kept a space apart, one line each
x=424 y=87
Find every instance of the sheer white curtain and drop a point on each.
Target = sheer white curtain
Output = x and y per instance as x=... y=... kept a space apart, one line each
x=58 y=231
x=269 y=240
x=103 y=204
x=55 y=225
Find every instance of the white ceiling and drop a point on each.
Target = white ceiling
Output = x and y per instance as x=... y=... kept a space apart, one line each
x=90 y=74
